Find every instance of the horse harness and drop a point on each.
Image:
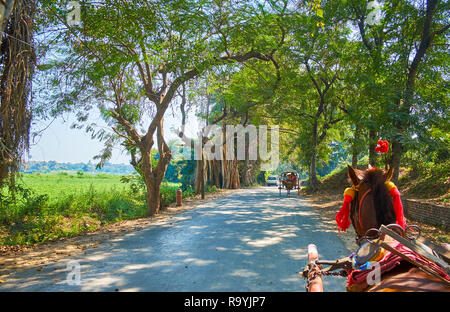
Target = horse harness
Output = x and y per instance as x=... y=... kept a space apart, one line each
x=369 y=250
x=358 y=209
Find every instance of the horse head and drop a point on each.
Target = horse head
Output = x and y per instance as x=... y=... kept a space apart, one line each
x=372 y=205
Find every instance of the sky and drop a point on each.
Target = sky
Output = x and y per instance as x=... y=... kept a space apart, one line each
x=62 y=144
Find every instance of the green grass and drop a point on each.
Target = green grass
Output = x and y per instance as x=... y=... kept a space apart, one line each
x=49 y=206
x=59 y=185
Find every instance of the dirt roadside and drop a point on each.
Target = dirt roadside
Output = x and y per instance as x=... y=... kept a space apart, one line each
x=17 y=258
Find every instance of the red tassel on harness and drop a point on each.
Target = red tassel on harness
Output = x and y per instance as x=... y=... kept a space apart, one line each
x=398 y=207
x=343 y=215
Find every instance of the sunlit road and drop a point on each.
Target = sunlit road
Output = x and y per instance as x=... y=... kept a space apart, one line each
x=251 y=240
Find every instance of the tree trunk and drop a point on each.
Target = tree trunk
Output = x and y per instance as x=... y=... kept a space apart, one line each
x=216 y=168
x=355 y=147
x=153 y=198
x=245 y=173
x=313 y=182
x=234 y=175
x=154 y=176
x=372 y=145
x=354 y=158
x=18 y=62
x=230 y=172
x=3 y=172
x=202 y=176
x=197 y=177
x=153 y=188
x=397 y=151
x=246 y=176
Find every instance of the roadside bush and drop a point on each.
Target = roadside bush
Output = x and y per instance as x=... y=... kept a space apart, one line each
x=16 y=205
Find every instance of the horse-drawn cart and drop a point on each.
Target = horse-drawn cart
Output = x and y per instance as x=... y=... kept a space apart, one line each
x=289 y=180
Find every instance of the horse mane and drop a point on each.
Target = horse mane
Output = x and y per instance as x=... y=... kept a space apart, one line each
x=383 y=204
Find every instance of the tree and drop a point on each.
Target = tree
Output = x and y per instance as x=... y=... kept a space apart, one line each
x=400 y=46
x=317 y=59
x=430 y=27
x=134 y=58
x=18 y=60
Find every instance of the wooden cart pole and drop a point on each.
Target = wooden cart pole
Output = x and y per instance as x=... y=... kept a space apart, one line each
x=314 y=279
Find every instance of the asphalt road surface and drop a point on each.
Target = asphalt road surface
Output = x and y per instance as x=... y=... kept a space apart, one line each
x=250 y=240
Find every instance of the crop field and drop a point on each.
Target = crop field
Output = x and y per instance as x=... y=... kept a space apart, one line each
x=49 y=206
x=59 y=185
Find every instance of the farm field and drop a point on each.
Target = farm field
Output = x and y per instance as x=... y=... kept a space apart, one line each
x=58 y=185
x=50 y=206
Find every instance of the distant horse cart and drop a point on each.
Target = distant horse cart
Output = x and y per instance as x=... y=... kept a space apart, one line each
x=289 y=180
x=392 y=256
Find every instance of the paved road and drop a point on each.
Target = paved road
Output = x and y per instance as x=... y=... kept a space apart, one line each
x=251 y=240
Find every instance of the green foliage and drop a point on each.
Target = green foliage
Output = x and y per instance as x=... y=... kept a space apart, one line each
x=168 y=192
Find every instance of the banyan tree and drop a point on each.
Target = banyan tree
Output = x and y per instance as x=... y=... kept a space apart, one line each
x=17 y=62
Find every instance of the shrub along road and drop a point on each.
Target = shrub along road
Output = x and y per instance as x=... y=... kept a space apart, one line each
x=250 y=240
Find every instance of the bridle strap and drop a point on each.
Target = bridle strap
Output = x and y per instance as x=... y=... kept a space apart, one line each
x=361 y=205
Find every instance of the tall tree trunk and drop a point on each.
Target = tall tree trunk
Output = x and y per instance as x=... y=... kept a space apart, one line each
x=427 y=37
x=3 y=172
x=313 y=182
x=397 y=151
x=354 y=158
x=153 y=187
x=245 y=175
x=153 y=197
x=202 y=176
x=216 y=172
x=154 y=176
x=355 y=147
x=234 y=175
x=225 y=163
x=197 y=188
x=372 y=144
x=18 y=62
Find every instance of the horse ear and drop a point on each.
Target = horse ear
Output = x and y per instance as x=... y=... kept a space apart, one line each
x=388 y=174
x=353 y=176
